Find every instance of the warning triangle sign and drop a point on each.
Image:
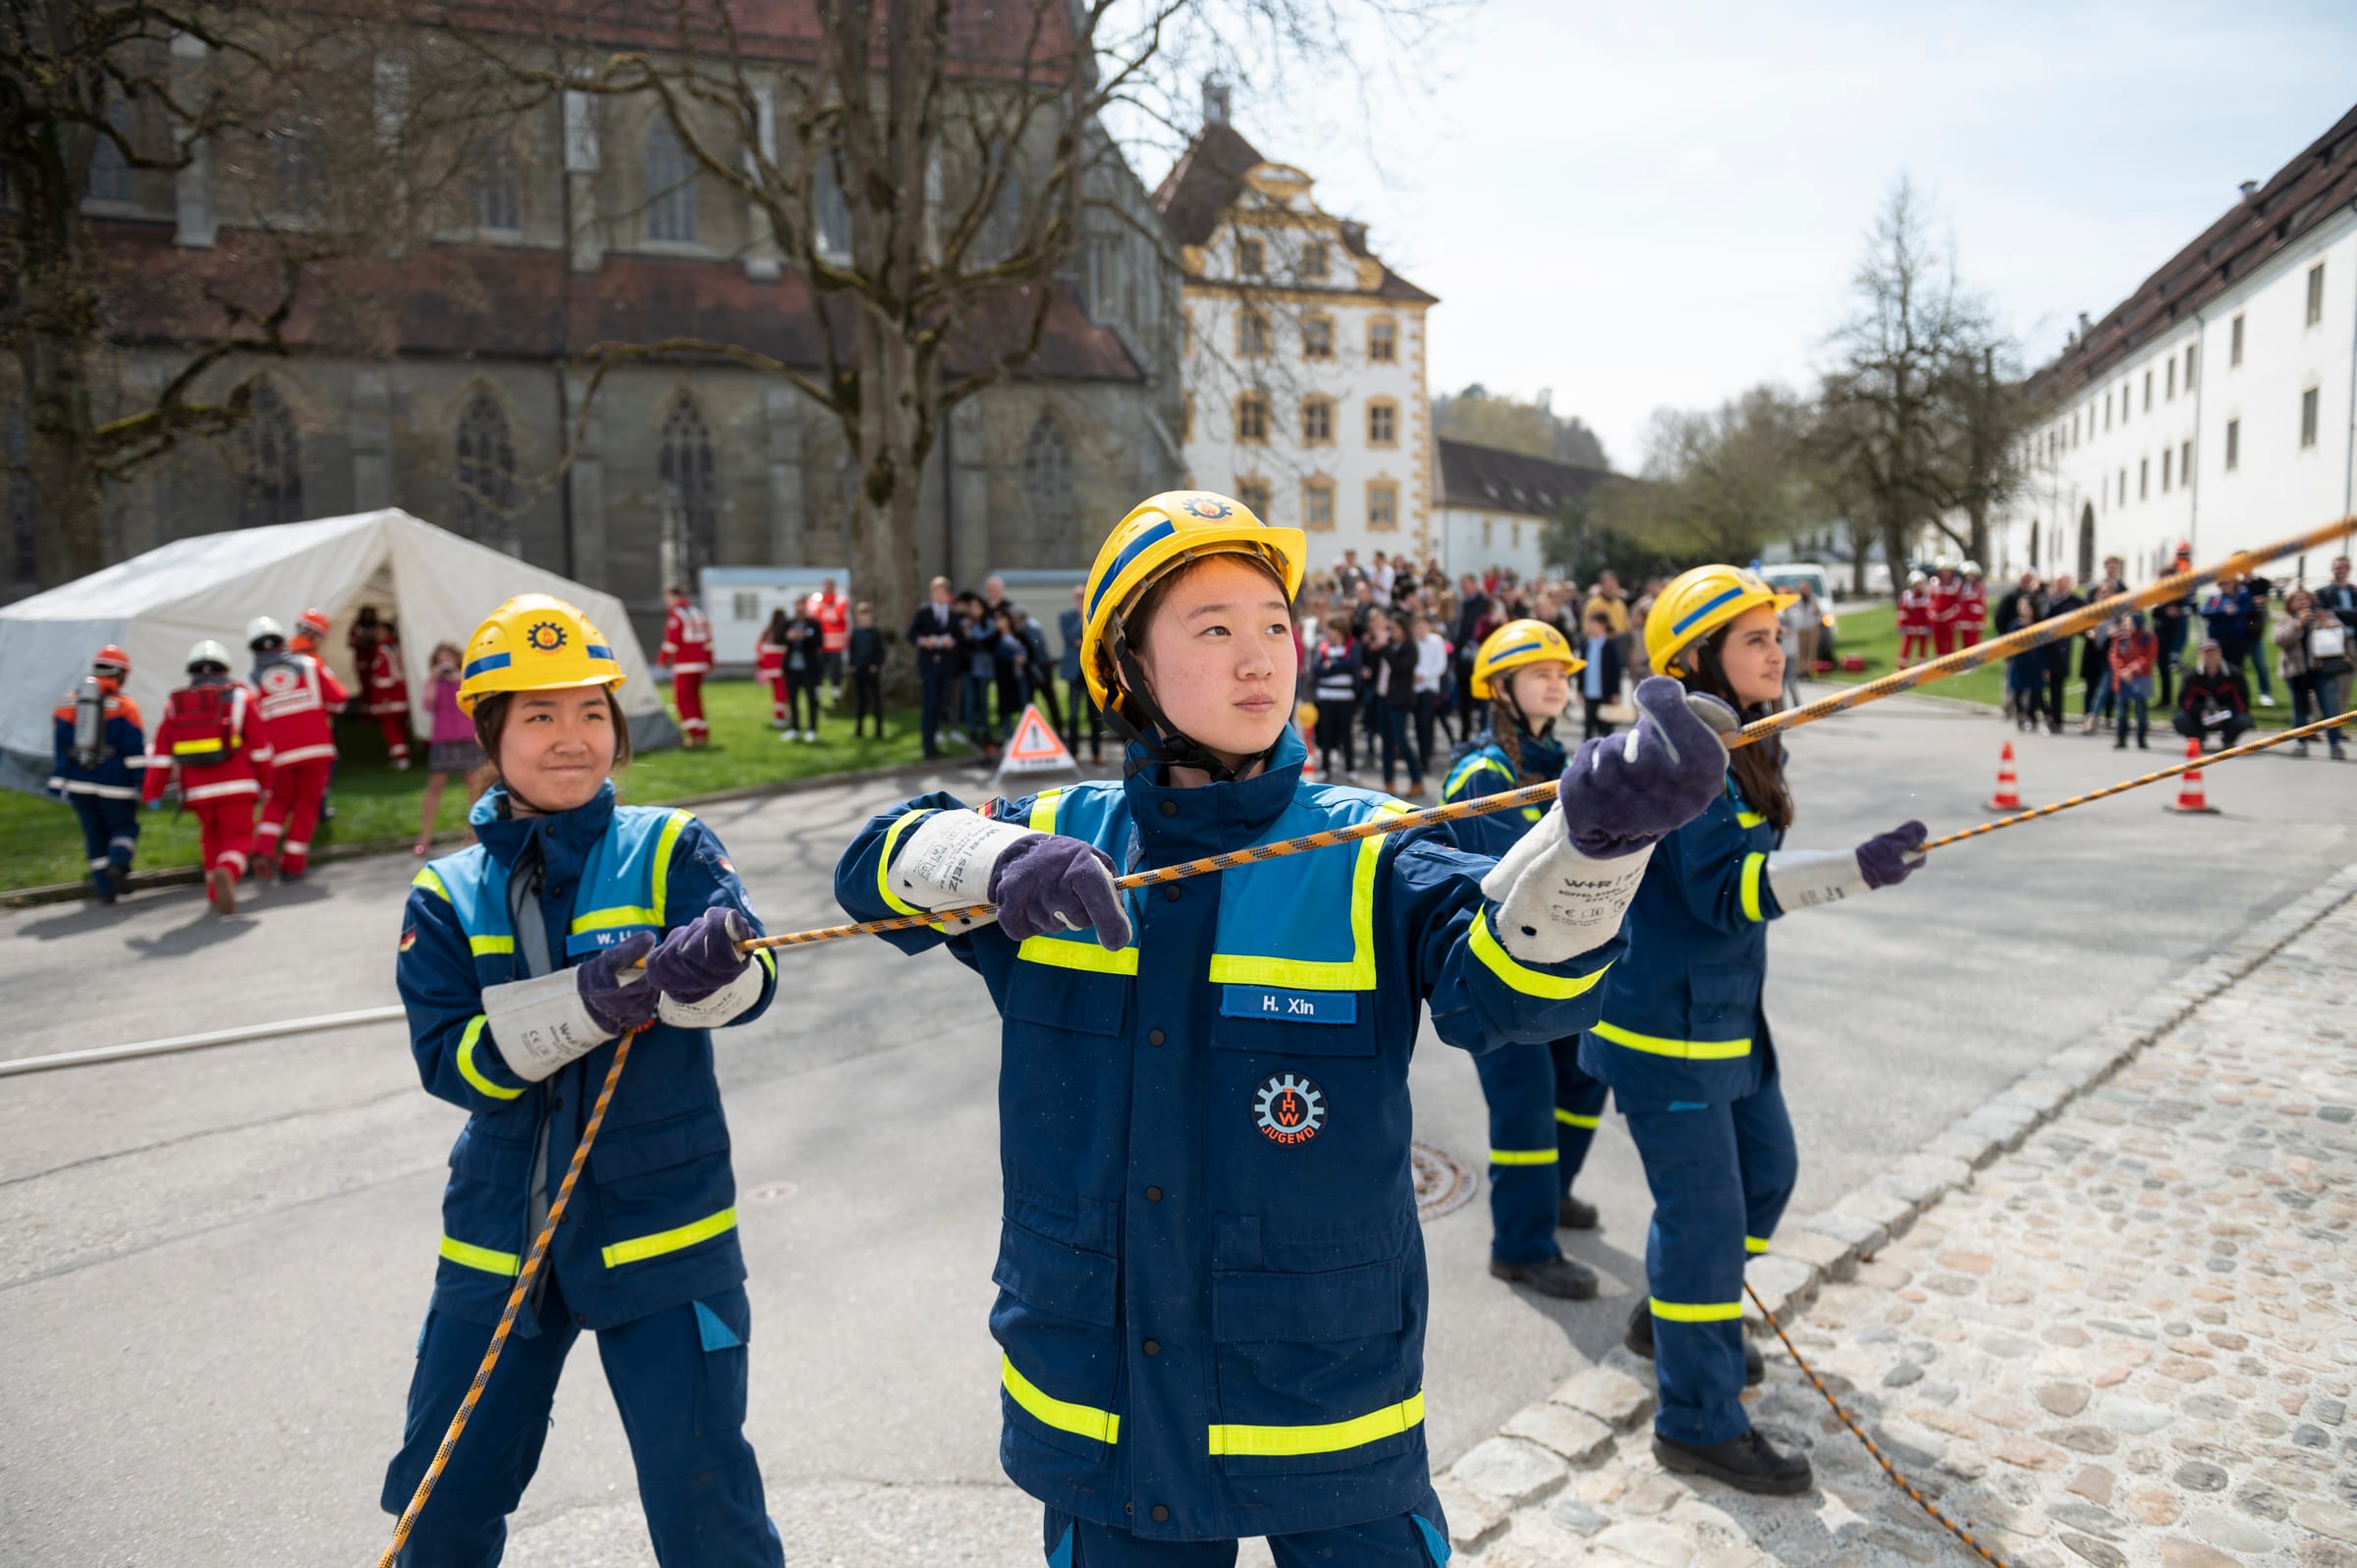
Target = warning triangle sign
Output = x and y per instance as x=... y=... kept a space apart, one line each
x=1034 y=748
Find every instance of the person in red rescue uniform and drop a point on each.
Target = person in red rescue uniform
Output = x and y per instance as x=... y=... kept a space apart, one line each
x=686 y=651
x=211 y=737
x=1947 y=591
x=311 y=635
x=297 y=700
x=833 y=612
x=389 y=694
x=1972 y=606
x=1914 y=621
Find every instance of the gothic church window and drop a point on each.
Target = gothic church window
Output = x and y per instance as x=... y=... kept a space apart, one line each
x=486 y=475
x=690 y=493
x=272 y=478
x=670 y=187
x=1048 y=483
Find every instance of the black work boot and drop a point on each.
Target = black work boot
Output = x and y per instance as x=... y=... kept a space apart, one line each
x=1749 y=1463
x=1639 y=1340
x=1573 y=1214
x=1560 y=1277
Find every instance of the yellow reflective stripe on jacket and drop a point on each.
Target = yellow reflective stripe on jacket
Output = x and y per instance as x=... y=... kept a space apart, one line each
x=468 y=1256
x=1755 y=1244
x=1354 y=973
x=485 y=947
x=892 y=836
x=431 y=880
x=1753 y=865
x=1697 y=1312
x=1076 y=953
x=1043 y=810
x=1530 y=982
x=1082 y=1421
x=1522 y=1157
x=1333 y=1438
x=467 y=1065
x=1748 y=818
x=184 y=748
x=1572 y=1118
x=617 y=915
x=666 y=842
x=1691 y=1050
x=1469 y=768
x=639 y=1248
x=658 y=893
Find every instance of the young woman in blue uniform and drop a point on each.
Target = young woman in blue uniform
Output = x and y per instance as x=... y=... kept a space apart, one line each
x=1684 y=1046
x=1543 y=1110
x=1211 y=1281
x=519 y=967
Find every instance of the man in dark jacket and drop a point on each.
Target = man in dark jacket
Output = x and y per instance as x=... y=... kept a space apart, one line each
x=2214 y=704
x=1600 y=682
x=933 y=633
x=2169 y=623
x=2060 y=600
x=2339 y=596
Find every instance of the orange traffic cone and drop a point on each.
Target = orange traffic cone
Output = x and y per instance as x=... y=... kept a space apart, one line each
x=2192 y=799
x=2008 y=788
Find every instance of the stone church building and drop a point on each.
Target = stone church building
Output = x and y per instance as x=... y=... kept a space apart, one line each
x=589 y=224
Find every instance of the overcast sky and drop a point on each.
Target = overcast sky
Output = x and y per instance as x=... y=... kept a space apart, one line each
x=1660 y=204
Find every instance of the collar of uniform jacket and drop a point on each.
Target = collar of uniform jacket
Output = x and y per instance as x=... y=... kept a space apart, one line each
x=1213 y=818
x=565 y=837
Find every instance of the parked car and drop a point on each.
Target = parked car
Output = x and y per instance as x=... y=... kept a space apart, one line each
x=1787 y=577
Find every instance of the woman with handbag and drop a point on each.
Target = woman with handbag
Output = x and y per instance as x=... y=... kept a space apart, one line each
x=2315 y=649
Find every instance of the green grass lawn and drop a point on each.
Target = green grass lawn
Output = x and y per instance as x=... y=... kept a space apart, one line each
x=1872 y=636
x=42 y=840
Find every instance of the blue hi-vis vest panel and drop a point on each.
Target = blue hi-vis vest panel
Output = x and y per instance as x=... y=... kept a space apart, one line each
x=1279 y=952
x=623 y=889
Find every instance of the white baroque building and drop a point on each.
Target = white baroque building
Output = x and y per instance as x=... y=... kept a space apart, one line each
x=2218 y=404
x=1302 y=354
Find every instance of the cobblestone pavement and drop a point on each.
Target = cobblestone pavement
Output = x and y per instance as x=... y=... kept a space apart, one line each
x=2127 y=1336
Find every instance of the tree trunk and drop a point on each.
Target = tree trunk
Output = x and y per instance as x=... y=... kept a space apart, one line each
x=59 y=329
x=895 y=436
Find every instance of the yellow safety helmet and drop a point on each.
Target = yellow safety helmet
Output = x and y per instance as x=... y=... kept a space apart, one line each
x=1519 y=643
x=1698 y=603
x=1161 y=534
x=534 y=643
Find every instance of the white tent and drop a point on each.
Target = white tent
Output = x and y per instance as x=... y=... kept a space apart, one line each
x=437 y=585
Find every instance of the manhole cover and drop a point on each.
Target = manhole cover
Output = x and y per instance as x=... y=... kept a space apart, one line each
x=1444 y=1182
x=771 y=1191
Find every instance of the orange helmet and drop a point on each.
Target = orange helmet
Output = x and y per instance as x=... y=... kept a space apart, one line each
x=314 y=624
x=111 y=660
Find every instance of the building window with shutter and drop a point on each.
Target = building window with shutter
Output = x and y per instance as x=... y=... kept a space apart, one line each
x=1252 y=417
x=2144 y=477
x=1317 y=338
x=1252 y=333
x=2234 y=351
x=1251 y=258
x=2172 y=394
x=1317 y=421
x=2315 y=295
x=1254 y=494
x=1383 y=422
x=1317 y=504
x=1383 y=506
x=2166 y=454
x=1313 y=261
x=2185 y=464
x=2189 y=348
x=2148 y=391
x=1382 y=341
x=2308 y=417
x=2233 y=445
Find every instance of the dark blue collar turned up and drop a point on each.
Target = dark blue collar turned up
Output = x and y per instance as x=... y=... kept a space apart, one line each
x=1185 y=824
x=562 y=839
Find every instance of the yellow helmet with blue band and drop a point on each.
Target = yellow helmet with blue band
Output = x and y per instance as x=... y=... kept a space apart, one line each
x=1159 y=536
x=1515 y=644
x=534 y=643
x=1698 y=603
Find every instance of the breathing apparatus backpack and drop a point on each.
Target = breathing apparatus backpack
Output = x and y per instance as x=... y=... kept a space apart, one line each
x=89 y=725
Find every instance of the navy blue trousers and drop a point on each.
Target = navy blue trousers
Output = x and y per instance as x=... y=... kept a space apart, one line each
x=678 y=1378
x=110 y=832
x=1543 y=1116
x=1721 y=1176
x=1419 y=1538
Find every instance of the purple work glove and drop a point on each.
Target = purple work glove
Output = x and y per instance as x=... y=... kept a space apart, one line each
x=699 y=957
x=615 y=990
x=1047 y=883
x=1883 y=859
x=1624 y=793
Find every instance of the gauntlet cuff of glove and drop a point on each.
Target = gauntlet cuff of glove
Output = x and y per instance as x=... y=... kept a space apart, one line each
x=1554 y=902
x=720 y=1007
x=1803 y=879
x=947 y=861
x=541 y=1024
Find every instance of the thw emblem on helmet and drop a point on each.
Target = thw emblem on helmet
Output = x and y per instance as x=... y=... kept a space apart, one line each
x=1290 y=1109
x=1211 y=508
x=546 y=637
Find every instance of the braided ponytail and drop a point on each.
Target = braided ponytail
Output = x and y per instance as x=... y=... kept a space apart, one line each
x=1505 y=729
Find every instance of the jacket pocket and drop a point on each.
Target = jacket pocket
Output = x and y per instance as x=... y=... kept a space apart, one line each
x=1313 y=1368
x=1076 y=1001
x=1349 y=1030
x=1055 y=1324
x=501 y=1163
x=1721 y=1001
x=662 y=1188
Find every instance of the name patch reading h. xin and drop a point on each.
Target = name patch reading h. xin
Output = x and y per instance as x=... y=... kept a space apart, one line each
x=1289 y=1006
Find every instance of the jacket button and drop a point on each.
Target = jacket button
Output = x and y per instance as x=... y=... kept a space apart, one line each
x=1153 y=1195
x=581 y=1318
x=1171 y=893
x=1152 y=1347
x=1169 y=809
x=1161 y=1515
x=1154 y=1037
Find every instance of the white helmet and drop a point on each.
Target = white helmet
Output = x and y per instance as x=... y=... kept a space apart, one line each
x=1944 y=563
x=207 y=652
x=1972 y=569
x=261 y=627
x=1914 y=579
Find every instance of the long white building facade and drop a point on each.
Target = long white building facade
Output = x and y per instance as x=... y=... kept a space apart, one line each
x=2217 y=405
x=1303 y=354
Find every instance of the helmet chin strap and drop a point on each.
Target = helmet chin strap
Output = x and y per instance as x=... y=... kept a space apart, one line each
x=1161 y=741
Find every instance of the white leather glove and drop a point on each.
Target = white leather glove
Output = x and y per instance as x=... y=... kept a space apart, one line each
x=1803 y=879
x=720 y=1007
x=539 y=1025
x=1554 y=902
x=948 y=861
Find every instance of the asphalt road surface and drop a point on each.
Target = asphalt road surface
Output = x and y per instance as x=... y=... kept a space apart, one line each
x=213 y=1266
